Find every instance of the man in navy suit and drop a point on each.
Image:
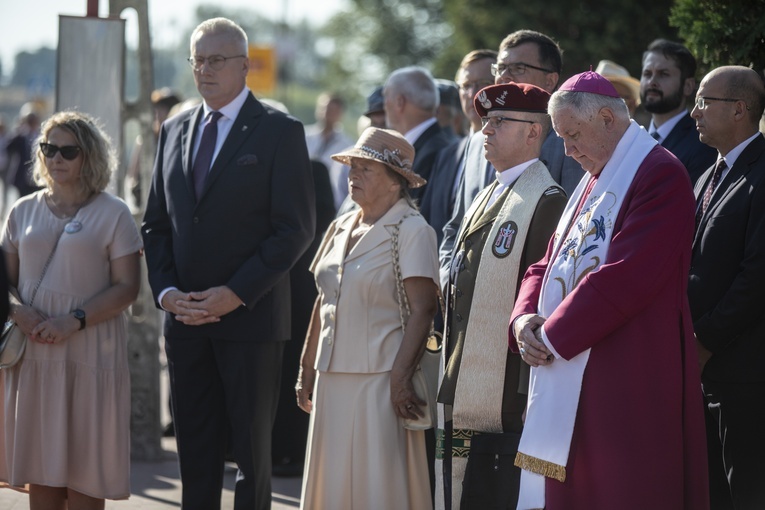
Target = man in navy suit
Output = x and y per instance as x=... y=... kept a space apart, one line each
x=219 y=246
x=473 y=74
x=667 y=82
x=726 y=280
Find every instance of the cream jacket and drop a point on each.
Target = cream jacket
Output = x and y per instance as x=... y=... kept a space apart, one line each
x=360 y=321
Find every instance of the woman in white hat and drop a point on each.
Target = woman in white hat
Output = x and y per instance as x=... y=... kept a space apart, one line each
x=358 y=361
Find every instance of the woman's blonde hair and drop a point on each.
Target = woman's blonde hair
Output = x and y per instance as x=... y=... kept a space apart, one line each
x=98 y=158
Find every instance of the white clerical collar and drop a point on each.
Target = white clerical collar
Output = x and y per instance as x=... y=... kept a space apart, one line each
x=509 y=176
x=665 y=129
x=413 y=134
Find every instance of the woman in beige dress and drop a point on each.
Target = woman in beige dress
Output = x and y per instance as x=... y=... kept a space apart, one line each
x=66 y=415
x=357 y=363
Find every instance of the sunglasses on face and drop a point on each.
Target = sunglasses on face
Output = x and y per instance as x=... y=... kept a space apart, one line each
x=68 y=152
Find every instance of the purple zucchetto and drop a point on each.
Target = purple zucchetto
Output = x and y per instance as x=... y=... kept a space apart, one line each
x=590 y=81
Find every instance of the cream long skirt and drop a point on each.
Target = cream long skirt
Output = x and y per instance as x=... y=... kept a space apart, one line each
x=359 y=456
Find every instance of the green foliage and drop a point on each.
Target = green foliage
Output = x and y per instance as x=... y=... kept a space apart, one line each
x=723 y=32
x=587 y=30
x=376 y=37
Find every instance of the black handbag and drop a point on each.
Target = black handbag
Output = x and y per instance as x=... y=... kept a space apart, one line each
x=492 y=480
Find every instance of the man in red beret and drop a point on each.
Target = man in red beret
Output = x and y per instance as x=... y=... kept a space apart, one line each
x=508 y=226
x=614 y=418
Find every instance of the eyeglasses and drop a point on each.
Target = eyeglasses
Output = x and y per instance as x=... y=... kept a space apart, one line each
x=475 y=85
x=516 y=69
x=497 y=121
x=702 y=102
x=68 y=152
x=215 y=62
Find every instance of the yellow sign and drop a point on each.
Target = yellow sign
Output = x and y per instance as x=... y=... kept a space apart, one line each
x=262 y=75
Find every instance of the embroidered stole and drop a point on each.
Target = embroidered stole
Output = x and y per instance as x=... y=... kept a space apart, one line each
x=481 y=359
x=580 y=247
x=481 y=380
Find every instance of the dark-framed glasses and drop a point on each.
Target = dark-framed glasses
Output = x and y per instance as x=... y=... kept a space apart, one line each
x=702 y=102
x=68 y=152
x=214 y=62
x=516 y=69
x=495 y=122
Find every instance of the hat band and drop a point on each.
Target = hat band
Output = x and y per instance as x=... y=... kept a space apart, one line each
x=391 y=157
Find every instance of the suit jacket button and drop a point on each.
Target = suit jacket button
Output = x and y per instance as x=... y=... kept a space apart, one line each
x=459 y=293
x=468 y=243
x=458 y=317
x=196 y=219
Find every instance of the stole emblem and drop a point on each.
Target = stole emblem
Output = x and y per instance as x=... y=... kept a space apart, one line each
x=505 y=239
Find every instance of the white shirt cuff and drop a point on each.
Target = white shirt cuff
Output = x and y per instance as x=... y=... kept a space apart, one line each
x=162 y=295
x=546 y=341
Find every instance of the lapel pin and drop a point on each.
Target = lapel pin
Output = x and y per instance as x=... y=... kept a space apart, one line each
x=244 y=128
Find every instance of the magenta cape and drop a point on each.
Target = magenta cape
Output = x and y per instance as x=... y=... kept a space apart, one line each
x=639 y=440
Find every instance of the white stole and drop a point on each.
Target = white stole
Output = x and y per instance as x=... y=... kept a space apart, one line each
x=555 y=389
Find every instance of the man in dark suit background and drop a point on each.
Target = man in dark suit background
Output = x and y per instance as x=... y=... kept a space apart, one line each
x=473 y=74
x=219 y=245
x=667 y=81
x=525 y=56
x=411 y=99
x=726 y=280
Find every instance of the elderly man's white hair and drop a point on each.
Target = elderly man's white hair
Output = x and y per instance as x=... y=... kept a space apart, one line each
x=221 y=26
x=416 y=84
x=587 y=104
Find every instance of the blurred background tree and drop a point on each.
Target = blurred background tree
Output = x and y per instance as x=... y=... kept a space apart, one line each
x=723 y=32
x=355 y=50
x=587 y=31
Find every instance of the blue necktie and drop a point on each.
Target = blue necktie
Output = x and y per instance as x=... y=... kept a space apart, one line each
x=205 y=153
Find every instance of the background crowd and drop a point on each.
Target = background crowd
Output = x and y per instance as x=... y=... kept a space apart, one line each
x=599 y=267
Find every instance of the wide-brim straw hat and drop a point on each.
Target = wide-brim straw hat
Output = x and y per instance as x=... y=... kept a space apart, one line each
x=615 y=73
x=389 y=148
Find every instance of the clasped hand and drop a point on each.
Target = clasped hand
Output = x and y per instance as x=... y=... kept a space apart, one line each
x=528 y=333
x=197 y=308
x=406 y=403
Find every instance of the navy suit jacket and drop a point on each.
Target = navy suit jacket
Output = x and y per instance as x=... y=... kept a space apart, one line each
x=426 y=148
x=728 y=271
x=683 y=141
x=437 y=202
x=255 y=217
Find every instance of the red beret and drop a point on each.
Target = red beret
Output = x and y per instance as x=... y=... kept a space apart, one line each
x=520 y=97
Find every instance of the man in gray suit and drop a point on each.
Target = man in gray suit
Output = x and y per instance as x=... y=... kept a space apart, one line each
x=524 y=56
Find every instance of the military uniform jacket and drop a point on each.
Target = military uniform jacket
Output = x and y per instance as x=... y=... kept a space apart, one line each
x=461 y=290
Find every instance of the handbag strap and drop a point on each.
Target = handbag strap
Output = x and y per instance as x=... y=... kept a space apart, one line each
x=52 y=251
x=403 y=301
x=45 y=267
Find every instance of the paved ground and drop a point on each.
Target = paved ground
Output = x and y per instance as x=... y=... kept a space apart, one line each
x=156 y=486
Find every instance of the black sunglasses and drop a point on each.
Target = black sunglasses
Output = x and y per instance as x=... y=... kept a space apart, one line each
x=68 y=152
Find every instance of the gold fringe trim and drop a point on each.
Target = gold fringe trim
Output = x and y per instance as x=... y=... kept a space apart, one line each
x=540 y=467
